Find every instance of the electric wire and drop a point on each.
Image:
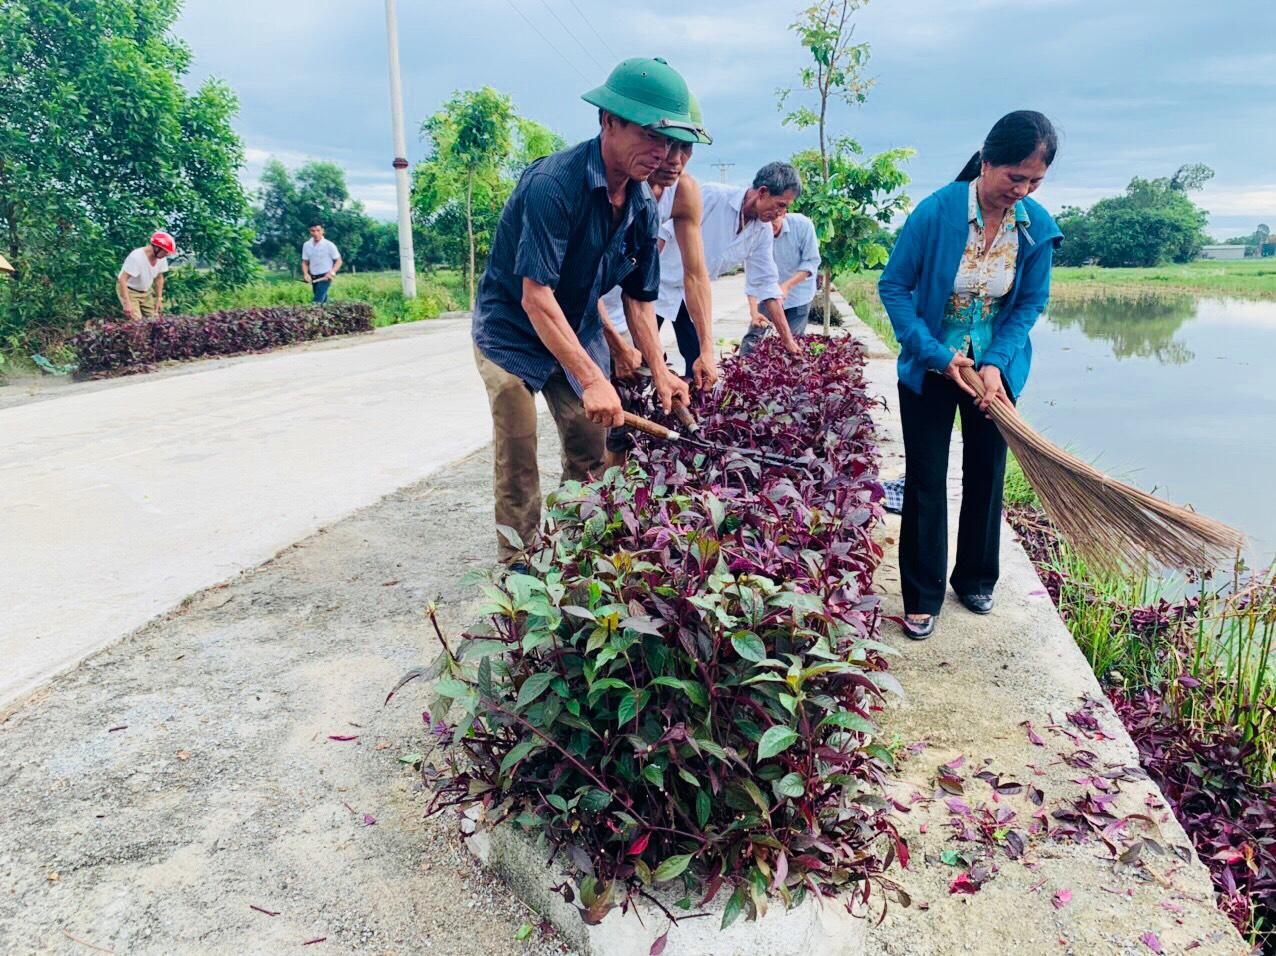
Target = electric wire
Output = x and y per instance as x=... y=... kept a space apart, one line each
x=548 y=41
x=568 y=30
x=589 y=23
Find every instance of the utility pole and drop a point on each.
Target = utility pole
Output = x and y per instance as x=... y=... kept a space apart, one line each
x=407 y=261
x=722 y=170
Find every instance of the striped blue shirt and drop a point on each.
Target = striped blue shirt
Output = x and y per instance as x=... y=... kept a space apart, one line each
x=556 y=229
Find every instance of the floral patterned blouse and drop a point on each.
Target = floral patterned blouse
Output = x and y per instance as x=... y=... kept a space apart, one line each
x=983 y=279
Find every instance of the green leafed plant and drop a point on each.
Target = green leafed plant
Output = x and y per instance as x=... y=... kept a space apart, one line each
x=680 y=696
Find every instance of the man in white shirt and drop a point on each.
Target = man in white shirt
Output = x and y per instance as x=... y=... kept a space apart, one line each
x=140 y=284
x=797 y=257
x=320 y=261
x=735 y=228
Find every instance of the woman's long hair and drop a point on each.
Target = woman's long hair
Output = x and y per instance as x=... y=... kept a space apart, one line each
x=1014 y=138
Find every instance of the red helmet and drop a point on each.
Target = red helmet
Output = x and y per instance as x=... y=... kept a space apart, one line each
x=164 y=241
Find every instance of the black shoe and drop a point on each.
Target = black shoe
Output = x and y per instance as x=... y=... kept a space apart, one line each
x=518 y=567
x=977 y=603
x=920 y=630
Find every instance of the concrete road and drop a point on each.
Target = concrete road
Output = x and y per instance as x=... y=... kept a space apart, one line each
x=123 y=498
x=119 y=502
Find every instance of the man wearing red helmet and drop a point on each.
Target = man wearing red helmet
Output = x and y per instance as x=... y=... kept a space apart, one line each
x=140 y=284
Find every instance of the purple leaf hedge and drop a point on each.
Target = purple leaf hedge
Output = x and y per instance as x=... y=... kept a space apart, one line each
x=681 y=694
x=115 y=347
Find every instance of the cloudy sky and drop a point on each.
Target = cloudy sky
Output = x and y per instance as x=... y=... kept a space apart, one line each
x=1137 y=87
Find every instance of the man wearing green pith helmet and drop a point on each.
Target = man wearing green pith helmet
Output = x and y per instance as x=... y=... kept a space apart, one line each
x=578 y=223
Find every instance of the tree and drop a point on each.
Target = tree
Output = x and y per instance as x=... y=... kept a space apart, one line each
x=472 y=139
x=1154 y=222
x=848 y=200
x=317 y=194
x=852 y=204
x=826 y=32
x=478 y=148
x=101 y=144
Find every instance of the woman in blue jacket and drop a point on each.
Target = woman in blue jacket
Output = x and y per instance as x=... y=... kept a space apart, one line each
x=966 y=281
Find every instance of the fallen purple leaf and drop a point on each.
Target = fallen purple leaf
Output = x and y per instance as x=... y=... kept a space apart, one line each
x=342 y=738
x=317 y=939
x=369 y=820
x=1152 y=942
x=658 y=946
x=1062 y=898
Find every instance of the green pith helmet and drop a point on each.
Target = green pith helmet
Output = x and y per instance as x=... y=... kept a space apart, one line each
x=651 y=93
x=698 y=119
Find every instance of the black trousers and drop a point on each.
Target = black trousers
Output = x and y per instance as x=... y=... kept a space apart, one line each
x=923 y=537
x=684 y=331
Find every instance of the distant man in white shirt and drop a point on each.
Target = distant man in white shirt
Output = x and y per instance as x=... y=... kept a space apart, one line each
x=797 y=257
x=320 y=262
x=735 y=228
x=140 y=284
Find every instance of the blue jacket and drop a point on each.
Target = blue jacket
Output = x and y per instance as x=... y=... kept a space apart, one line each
x=918 y=282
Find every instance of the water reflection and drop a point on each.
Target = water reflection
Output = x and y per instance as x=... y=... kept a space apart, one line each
x=1137 y=326
x=1169 y=392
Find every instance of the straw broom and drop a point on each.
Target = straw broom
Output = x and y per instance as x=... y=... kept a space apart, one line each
x=1110 y=524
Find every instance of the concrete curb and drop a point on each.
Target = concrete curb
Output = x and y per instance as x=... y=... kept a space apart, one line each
x=815 y=928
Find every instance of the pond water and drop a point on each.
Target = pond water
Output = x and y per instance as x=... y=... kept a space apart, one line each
x=1171 y=393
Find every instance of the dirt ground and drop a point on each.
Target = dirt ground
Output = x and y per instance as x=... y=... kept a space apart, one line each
x=185 y=775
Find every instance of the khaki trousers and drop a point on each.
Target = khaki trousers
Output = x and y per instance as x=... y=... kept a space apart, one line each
x=143 y=302
x=515 y=473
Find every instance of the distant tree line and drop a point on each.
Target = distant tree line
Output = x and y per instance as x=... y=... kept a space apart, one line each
x=1260 y=242
x=1153 y=223
x=317 y=194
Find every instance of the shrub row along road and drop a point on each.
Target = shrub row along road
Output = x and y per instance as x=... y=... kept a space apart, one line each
x=120 y=501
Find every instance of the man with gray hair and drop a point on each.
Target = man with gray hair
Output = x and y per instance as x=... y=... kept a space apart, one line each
x=735 y=226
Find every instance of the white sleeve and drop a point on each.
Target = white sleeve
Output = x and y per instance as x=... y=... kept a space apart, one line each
x=305 y=252
x=161 y=266
x=761 y=278
x=336 y=253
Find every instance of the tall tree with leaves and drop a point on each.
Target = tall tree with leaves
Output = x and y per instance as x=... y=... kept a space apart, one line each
x=472 y=140
x=837 y=70
x=479 y=147
x=848 y=197
x=100 y=145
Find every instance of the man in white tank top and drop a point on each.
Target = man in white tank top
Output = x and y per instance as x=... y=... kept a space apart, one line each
x=679 y=206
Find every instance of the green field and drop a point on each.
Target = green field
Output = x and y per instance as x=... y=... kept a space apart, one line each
x=440 y=290
x=1251 y=278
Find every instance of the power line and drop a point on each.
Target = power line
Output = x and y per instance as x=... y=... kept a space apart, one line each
x=588 y=52
x=548 y=41
x=589 y=23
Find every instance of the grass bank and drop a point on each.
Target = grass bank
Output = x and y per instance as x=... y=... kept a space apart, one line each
x=1191 y=680
x=438 y=291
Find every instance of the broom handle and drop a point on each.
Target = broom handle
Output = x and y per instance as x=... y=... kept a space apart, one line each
x=647 y=426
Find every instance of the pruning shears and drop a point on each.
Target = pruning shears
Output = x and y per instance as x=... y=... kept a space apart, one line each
x=691 y=438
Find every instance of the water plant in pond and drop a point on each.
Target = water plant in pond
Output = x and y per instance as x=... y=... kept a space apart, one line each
x=680 y=696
